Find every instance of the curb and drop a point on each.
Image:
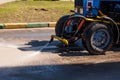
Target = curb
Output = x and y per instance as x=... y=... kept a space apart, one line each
x=52 y=24
x=14 y=25
x=27 y=25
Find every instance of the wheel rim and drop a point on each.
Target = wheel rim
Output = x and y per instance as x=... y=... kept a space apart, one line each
x=70 y=29
x=100 y=39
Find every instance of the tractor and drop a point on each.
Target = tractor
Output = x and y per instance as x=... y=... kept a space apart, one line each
x=95 y=22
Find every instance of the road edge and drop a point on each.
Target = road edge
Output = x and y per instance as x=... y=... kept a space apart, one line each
x=26 y=25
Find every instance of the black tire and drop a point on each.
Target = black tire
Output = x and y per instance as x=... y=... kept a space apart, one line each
x=60 y=24
x=98 y=38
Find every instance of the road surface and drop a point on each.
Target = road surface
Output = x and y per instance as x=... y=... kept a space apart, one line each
x=25 y=56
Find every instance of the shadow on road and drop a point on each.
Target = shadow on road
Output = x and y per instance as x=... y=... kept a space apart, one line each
x=102 y=71
x=55 y=47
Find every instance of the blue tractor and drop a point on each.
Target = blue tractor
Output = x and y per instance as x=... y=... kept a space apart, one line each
x=96 y=22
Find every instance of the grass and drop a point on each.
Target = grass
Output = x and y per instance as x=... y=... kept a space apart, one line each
x=34 y=11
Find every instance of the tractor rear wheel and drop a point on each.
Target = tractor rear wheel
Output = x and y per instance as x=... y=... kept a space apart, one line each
x=60 y=25
x=98 y=38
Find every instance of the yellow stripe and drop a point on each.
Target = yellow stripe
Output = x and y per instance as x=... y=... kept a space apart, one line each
x=118 y=23
x=52 y=24
x=14 y=25
x=96 y=20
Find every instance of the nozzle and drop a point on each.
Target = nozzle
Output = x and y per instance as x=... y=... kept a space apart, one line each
x=65 y=41
x=51 y=40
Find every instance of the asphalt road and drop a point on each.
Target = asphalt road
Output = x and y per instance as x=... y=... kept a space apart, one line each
x=26 y=55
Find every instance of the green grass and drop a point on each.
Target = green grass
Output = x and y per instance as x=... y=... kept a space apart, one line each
x=32 y=11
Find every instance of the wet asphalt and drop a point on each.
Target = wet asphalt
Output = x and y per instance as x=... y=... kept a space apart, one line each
x=31 y=62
